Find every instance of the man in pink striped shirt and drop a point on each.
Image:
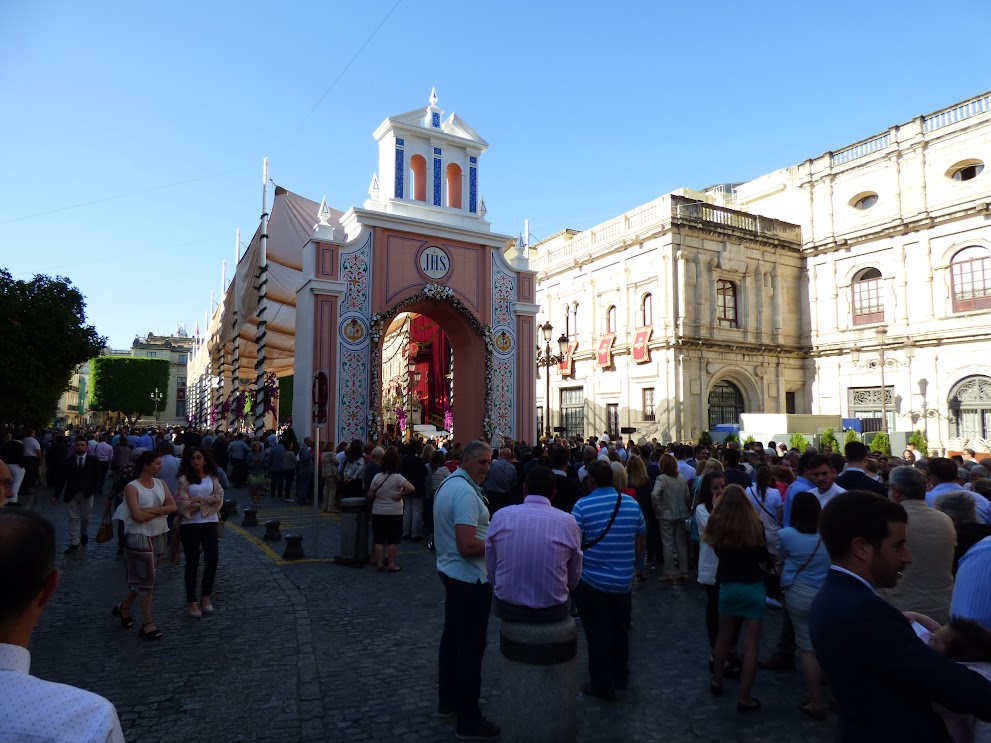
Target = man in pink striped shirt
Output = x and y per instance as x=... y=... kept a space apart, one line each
x=533 y=552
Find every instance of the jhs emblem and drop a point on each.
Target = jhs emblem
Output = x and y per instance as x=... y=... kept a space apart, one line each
x=504 y=342
x=354 y=331
x=435 y=263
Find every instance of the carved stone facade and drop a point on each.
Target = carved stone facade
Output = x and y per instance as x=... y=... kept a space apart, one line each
x=897 y=234
x=799 y=291
x=678 y=313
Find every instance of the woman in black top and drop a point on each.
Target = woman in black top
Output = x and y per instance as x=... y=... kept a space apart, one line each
x=736 y=534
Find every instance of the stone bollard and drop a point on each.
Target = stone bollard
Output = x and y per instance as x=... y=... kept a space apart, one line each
x=354 y=532
x=272 y=533
x=250 y=516
x=539 y=672
x=294 y=547
x=231 y=507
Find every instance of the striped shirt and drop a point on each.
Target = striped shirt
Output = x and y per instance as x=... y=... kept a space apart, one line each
x=608 y=565
x=972 y=590
x=533 y=554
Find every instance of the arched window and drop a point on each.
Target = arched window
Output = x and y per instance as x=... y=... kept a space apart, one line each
x=726 y=303
x=725 y=404
x=970 y=270
x=865 y=202
x=867 y=306
x=454 y=186
x=646 y=311
x=967 y=171
x=611 y=319
x=970 y=406
x=418 y=178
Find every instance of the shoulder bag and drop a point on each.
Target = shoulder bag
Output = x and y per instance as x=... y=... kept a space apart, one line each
x=753 y=490
x=587 y=545
x=106 y=531
x=807 y=562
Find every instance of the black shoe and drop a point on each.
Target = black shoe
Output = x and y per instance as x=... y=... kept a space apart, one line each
x=485 y=730
x=84 y=539
x=417 y=539
x=588 y=690
x=446 y=713
x=120 y=551
x=70 y=549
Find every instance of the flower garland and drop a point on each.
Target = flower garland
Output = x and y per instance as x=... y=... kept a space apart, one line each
x=401 y=419
x=448 y=418
x=436 y=293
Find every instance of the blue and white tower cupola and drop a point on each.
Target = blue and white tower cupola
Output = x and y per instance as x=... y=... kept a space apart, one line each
x=429 y=168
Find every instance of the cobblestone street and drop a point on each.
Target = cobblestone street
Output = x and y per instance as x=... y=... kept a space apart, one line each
x=314 y=651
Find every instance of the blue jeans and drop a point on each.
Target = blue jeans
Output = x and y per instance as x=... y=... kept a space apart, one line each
x=304 y=487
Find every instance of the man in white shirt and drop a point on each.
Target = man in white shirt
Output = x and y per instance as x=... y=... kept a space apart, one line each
x=32 y=709
x=32 y=462
x=104 y=453
x=681 y=453
x=822 y=474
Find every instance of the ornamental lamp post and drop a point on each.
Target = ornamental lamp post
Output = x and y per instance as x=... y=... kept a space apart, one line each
x=157 y=397
x=546 y=359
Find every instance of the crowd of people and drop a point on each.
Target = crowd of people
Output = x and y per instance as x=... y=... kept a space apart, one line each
x=880 y=563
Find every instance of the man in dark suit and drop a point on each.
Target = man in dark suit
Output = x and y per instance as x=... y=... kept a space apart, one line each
x=883 y=676
x=82 y=480
x=568 y=489
x=854 y=477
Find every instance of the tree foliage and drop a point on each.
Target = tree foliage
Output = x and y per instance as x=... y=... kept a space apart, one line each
x=705 y=439
x=850 y=435
x=921 y=443
x=828 y=438
x=45 y=337
x=880 y=443
x=125 y=385
x=798 y=441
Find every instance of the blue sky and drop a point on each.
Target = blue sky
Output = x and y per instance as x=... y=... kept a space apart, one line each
x=133 y=133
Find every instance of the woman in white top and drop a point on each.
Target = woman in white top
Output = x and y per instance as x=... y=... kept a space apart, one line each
x=144 y=512
x=386 y=494
x=200 y=499
x=671 y=499
x=766 y=500
x=330 y=471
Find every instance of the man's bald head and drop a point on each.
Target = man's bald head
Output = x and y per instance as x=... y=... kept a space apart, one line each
x=506 y=454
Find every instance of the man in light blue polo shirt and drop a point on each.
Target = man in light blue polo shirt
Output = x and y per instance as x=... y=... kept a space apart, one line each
x=972 y=589
x=461 y=521
x=613 y=540
x=943 y=478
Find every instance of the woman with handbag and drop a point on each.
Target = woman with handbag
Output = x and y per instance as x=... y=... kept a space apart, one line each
x=330 y=471
x=671 y=499
x=353 y=472
x=768 y=504
x=736 y=535
x=200 y=499
x=386 y=494
x=144 y=513
x=804 y=564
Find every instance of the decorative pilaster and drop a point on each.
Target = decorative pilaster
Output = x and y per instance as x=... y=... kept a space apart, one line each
x=260 y=341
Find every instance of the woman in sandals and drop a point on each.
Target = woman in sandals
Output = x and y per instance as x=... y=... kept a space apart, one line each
x=736 y=534
x=200 y=499
x=144 y=512
x=386 y=493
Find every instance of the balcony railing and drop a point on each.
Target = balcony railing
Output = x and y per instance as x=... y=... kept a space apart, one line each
x=979 y=105
x=861 y=149
x=699 y=211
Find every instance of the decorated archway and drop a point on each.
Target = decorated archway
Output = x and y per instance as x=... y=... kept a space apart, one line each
x=439 y=259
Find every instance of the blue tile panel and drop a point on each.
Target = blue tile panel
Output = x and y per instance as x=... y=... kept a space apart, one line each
x=436 y=150
x=400 y=142
x=400 y=167
x=435 y=120
x=473 y=190
x=436 y=178
x=473 y=160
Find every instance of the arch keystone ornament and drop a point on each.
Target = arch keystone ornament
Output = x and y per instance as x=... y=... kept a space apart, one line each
x=400 y=253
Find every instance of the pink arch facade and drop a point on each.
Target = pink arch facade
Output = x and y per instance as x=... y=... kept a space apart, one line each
x=458 y=278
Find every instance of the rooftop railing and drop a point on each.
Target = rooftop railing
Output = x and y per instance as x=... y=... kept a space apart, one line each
x=700 y=211
x=861 y=149
x=979 y=105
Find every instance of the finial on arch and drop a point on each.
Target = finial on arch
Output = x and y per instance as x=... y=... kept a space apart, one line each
x=324 y=213
x=433 y=96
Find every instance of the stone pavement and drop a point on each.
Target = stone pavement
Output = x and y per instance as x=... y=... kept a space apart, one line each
x=313 y=651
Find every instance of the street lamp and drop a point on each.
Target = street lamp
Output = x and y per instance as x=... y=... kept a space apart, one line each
x=157 y=397
x=546 y=359
x=881 y=363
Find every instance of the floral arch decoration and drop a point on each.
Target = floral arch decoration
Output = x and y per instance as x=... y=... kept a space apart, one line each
x=434 y=293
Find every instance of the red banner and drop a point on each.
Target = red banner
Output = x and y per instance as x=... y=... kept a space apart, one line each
x=604 y=354
x=641 y=352
x=566 y=366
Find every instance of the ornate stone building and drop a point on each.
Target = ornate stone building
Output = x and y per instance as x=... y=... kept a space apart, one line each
x=809 y=289
x=680 y=316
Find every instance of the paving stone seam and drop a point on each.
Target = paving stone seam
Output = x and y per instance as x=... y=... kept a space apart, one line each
x=308 y=689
